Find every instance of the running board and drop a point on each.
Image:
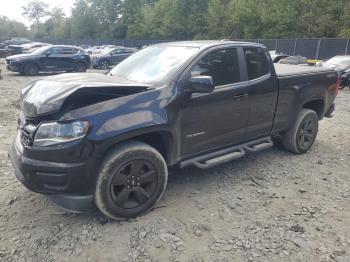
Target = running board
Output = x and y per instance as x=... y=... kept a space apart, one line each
x=228 y=154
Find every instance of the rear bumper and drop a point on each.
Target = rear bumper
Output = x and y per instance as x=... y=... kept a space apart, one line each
x=330 y=112
x=69 y=185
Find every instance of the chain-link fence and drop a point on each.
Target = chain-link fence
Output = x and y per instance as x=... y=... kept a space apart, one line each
x=312 y=48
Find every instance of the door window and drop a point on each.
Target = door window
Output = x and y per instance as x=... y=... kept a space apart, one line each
x=69 y=51
x=257 y=62
x=222 y=65
x=54 y=51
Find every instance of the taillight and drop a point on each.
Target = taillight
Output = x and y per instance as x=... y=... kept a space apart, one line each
x=335 y=87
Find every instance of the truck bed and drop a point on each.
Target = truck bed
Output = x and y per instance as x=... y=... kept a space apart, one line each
x=283 y=70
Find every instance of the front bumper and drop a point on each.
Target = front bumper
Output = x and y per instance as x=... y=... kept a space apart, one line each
x=70 y=185
x=13 y=66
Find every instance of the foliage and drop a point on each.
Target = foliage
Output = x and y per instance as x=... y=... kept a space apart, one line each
x=187 y=19
x=35 y=10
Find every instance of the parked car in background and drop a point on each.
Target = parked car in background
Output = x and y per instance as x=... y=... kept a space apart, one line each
x=93 y=50
x=49 y=58
x=25 y=48
x=294 y=60
x=340 y=64
x=276 y=57
x=14 y=49
x=30 y=47
x=85 y=47
x=17 y=41
x=111 y=56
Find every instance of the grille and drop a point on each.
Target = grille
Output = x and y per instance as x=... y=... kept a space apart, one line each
x=25 y=138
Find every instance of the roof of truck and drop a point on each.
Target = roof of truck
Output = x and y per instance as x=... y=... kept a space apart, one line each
x=209 y=43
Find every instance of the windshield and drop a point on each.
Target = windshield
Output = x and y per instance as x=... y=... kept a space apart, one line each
x=41 y=50
x=107 y=50
x=155 y=64
x=339 y=61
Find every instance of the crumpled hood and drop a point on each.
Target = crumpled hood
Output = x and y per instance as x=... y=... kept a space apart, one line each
x=47 y=95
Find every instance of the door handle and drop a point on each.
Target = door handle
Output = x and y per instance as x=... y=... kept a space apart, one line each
x=240 y=96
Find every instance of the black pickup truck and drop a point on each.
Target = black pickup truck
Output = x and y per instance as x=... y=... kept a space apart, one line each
x=108 y=139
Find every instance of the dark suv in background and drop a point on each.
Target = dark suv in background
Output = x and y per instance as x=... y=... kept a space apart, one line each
x=49 y=58
x=111 y=56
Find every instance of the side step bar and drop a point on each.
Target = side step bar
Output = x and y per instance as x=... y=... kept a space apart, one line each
x=228 y=154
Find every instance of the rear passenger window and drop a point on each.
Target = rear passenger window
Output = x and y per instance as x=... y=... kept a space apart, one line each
x=55 y=51
x=257 y=62
x=221 y=65
x=69 y=51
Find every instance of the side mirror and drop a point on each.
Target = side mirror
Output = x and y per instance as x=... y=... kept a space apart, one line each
x=47 y=54
x=201 y=84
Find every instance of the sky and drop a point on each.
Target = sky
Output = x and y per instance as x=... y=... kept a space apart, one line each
x=13 y=8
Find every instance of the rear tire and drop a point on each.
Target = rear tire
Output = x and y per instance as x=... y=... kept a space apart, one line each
x=31 y=69
x=80 y=67
x=131 y=180
x=300 y=138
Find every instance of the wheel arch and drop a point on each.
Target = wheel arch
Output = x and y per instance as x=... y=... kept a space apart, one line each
x=162 y=141
x=316 y=105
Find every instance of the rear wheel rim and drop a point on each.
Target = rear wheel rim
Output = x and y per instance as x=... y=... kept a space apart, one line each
x=307 y=133
x=80 y=67
x=105 y=65
x=133 y=184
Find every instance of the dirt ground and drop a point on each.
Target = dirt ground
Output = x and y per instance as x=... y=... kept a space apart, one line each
x=271 y=206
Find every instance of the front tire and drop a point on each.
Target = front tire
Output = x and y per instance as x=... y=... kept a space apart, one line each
x=131 y=180
x=31 y=69
x=300 y=138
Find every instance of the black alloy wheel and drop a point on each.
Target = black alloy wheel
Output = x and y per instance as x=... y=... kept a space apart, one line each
x=307 y=133
x=132 y=178
x=31 y=69
x=105 y=64
x=133 y=184
x=301 y=136
x=80 y=67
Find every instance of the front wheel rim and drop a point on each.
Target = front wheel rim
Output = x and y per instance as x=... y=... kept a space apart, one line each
x=32 y=70
x=133 y=184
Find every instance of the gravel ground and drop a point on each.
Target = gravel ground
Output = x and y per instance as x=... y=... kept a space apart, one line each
x=271 y=206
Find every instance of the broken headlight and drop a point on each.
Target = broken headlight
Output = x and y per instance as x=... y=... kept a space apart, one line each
x=54 y=133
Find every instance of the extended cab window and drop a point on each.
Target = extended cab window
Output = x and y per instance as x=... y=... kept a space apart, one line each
x=222 y=65
x=257 y=62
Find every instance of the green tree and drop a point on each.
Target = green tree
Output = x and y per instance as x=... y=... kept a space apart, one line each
x=83 y=20
x=35 y=10
x=10 y=28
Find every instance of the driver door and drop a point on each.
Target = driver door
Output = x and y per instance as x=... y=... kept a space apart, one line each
x=52 y=60
x=217 y=119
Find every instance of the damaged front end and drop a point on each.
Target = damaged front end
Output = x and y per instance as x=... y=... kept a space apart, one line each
x=71 y=91
x=50 y=154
